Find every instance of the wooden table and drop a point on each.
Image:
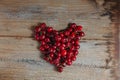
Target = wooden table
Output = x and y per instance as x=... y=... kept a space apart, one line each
x=98 y=58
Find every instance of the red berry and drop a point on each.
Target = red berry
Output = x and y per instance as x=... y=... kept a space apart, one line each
x=76 y=42
x=77 y=46
x=57 y=38
x=66 y=33
x=63 y=52
x=82 y=34
x=47 y=40
x=61 y=34
x=42 y=25
x=37 y=29
x=42 y=48
x=49 y=29
x=51 y=55
x=37 y=37
x=72 y=35
x=79 y=28
x=59 y=69
x=46 y=46
x=57 y=44
x=69 y=63
x=73 y=25
x=42 y=42
x=41 y=37
x=73 y=58
x=75 y=52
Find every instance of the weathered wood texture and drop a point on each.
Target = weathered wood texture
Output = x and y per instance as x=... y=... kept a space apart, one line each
x=19 y=57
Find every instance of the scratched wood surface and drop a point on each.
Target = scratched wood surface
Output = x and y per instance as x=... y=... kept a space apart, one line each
x=19 y=57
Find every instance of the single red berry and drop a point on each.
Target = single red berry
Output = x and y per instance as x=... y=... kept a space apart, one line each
x=76 y=42
x=78 y=37
x=61 y=34
x=49 y=29
x=72 y=35
x=66 y=33
x=42 y=25
x=42 y=37
x=37 y=37
x=77 y=46
x=69 y=63
x=46 y=58
x=79 y=28
x=73 y=25
x=42 y=48
x=57 y=38
x=55 y=32
x=51 y=55
x=73 y=58
x=70 y=29
x=63 y=52
x=72 y=41
x=72 y=47
x=75 y=52
x=63 y=40
x=42 y=42
x=37 y=29
x=59 y=69
x=46 y=46
x=57 y=44
x=59 y=54
x=47 y=40
x=82 y=34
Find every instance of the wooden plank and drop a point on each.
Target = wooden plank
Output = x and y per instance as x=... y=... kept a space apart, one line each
x=23 y=16
x=20 y=71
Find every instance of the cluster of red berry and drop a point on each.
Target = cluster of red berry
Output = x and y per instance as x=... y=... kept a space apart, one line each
x=59 y=47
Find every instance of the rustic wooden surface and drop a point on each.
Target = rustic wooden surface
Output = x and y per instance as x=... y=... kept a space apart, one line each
x=19 y=57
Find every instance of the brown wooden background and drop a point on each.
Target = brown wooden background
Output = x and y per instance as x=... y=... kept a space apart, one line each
x=98 y=58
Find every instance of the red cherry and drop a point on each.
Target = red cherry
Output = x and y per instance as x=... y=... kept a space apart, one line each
x=63 y=52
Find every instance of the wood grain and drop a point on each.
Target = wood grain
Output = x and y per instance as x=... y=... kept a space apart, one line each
x=20 y=58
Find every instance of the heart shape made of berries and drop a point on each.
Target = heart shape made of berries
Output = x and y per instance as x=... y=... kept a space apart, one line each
x=59 y=48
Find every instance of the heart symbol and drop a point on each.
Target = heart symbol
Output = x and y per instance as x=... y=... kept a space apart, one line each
x=59 y=48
